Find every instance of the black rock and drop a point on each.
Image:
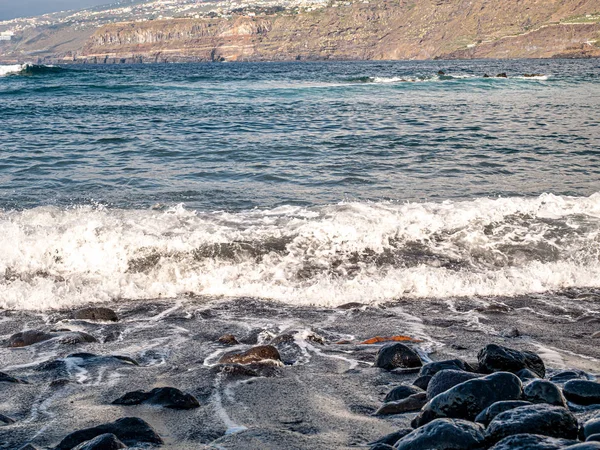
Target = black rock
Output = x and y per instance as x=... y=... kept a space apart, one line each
x=441 y=72
x=454 y=364
x=447 y=379
x=169 y=397
x=103 y=442
x=582 y=392
x=547 y=420
x=401 y=392
x=444 y=434
x=392 y=438
x=392 y=356
x=495 y=358
x=593 y=438
x=4 y=377
x=96 y=313
x=468 y=399
x=502 y=75
x=544 y=391
x=567 y=375
x=531 y=442
x=409 y=404
x=591 y=427
x=584 y=446
x=381 y=447
x=486 y=416
x=422 y=382
x=130 y=430
x=485 y=75
x=526 y=374
x=6 y=420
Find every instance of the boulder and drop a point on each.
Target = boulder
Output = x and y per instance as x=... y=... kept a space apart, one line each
x=447 y=379
x=129 y=430
x=582 y=392
x=260 y=353
x=454 y=364
x=422 y=382
x=547 y=420
x=591 y=427
x=105 y=441
x=95 y=314
x=401 y=392
x=526 y=374
x=531 y=442
x=486 y=416
x=544 y=391
x=584 y=446
x=593 y=438
x=392 y=356
x=444 y=434
x=567 y=375
x=410 y=404
x=496 y=358
x=169 y=397
x=468 y=399
x=392 y=438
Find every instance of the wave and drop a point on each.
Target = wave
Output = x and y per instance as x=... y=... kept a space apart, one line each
x=29 y=69
x=442 y=77
x=329 y=255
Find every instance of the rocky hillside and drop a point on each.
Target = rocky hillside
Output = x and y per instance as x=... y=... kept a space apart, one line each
x=369 y=29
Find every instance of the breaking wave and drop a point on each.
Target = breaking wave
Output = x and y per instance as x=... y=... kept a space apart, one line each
x=29 y=69
x=328 y=255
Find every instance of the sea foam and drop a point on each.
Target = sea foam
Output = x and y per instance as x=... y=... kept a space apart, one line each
x=328 y=255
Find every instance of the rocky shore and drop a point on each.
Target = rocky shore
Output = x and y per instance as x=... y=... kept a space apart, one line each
x=493 y=373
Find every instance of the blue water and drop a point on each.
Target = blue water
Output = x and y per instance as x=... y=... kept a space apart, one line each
x=307 y=183
x=238 y=136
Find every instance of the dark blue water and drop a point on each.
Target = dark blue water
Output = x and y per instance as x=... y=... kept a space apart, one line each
x=237 y=136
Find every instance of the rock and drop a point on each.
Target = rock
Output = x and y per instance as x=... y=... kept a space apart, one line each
x=582 y=392
x=468 y=399
x=392 y=438
x=495 y=358
x=544 y=391
x=28 y=337
x=531 y=442
x=405 y=370
x=6 y=420
x=485 y=75
x=260 y=353
x=454 y=364
x=596 y=335
x=4 y=377
x=401 y=392
x=228 y=339
x=502 y=75
x=105 y=441
x=392 y=356
x=486 y=416
x=512 y=332
x=584 y=446
x=130 y=430
x=413 y=403
x=447 y=379
x=566 y=375
x=444 y=434
x=593 y=438
x=547 y=420
x=234 y=370
x=422 y=382
x=591 y=427
x=76 y=337
x=532 y=75
x=96 y=313
x=441 y=72
x=526 y=374
x=169 y=397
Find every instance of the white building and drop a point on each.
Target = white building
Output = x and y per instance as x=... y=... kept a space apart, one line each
x=6 y=35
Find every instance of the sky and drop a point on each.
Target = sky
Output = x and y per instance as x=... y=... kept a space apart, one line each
x=9 y=9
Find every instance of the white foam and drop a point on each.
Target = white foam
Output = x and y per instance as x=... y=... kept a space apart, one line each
x=11 y=69
x=349 y=252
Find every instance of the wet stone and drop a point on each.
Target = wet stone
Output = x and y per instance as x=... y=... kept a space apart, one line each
x=96 y=314
x=447 y=379
x=392 y=356
x=228 y=339
x=444 y=434
x=28 y=337
x=422 y=382
x=591 y=427
x=5 y=420
x=468 y=399
x=544 y=391
x=547 y=420
x=401 y=392
x=392 y=438
x=451 y=364
x=130 y=430
x=496 y=358
x=526 y=374
x=531 y=442
x=584 y=446
x=168 y=397
x=8 y=379
x=105 y=441
x=567 y=375
x=593 y=438
x=582 y=392
x=409 y=404
x=234 y=370
x=260 y=353
x=486 y=416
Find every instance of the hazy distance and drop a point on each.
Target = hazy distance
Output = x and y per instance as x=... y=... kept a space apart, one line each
x=9 y=9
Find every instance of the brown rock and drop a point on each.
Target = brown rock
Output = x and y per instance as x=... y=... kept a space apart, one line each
x=96 y=313
x=29 y=337
x=228 y=339
x=260 y=353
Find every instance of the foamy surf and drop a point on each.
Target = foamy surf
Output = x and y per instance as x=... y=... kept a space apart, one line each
x=13 y=69
x=348 y=252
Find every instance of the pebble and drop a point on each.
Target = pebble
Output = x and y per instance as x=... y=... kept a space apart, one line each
x=169 y=397
x=495 y=358
x=392 y=356
x=582 y=392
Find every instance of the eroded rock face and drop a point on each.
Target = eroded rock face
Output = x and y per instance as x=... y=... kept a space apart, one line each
x=468 y=399
x=531 y=442
x=444 y=434
x=495 y=358
x=129 y=430
x=168 y=397
x=260 y=353
x=582 y=392
x=547 y=420
x=392 y=356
